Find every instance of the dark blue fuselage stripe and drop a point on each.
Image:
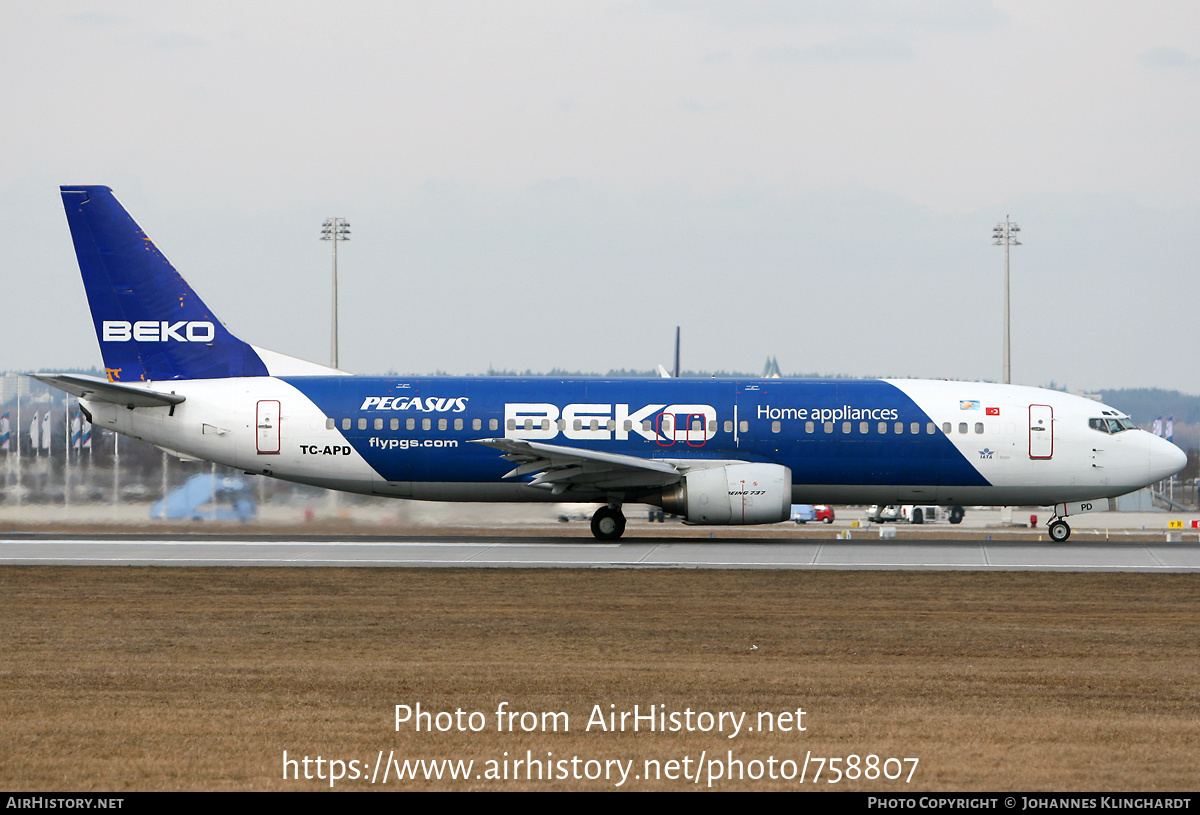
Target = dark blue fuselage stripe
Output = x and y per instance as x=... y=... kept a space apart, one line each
x=818 y=457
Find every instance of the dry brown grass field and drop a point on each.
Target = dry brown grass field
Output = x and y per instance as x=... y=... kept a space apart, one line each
x=116 y=679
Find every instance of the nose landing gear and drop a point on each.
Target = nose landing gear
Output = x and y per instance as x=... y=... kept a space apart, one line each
x=1059 y=530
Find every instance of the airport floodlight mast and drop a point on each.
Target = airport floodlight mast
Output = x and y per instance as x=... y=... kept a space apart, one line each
x=1005 y=234
x=335 y=230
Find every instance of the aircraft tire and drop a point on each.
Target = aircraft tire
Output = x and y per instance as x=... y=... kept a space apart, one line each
x=608 y=524
x=1059 y=531
x=918 y=516
x=956 y=515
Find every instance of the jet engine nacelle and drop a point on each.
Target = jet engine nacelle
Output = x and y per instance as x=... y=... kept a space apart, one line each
x=732 y=494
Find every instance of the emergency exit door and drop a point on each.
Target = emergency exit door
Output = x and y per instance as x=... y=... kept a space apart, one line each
x=1041 y=431
x=268 y=426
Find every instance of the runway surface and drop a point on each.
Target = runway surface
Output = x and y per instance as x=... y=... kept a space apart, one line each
x=498 y=552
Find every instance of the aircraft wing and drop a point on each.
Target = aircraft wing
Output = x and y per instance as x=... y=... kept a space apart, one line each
x=559 y=468
x=91 y=387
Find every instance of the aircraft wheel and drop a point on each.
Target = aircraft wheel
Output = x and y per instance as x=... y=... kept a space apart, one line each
x=608 y=524
x=918 y=516
x=956 y=515
x=1059 y=531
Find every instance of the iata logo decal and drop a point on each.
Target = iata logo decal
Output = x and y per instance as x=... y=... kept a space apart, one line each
x=157 y=331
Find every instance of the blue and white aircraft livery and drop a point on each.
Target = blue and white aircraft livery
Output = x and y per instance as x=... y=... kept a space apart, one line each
x=712 y=451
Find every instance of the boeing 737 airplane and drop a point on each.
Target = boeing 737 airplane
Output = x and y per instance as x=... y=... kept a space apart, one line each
x=712 y=451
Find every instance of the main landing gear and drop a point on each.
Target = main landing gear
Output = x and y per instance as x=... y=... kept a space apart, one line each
x=608 y=523
x=1058 y=529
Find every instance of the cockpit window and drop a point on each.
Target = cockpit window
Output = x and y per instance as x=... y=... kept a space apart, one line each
x=1111 y=425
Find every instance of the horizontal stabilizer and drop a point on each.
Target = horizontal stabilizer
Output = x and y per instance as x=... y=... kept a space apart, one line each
x=91 y=387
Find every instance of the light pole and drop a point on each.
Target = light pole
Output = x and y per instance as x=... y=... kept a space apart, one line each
x=1005 y=234
x=335 y=230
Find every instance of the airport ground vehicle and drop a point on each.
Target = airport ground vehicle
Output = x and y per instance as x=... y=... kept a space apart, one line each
x=927 y=513
x=803 y=513
x=713 y=451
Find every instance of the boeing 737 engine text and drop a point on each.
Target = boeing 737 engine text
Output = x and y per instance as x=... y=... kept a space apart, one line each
x=712 y=451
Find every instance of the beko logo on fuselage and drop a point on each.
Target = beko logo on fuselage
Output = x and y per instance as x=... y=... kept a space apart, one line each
x=158 y=331
x=665 y=424
x=428 y=404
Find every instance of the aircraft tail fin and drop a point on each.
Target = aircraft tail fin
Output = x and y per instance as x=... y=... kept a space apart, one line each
x=150 y=324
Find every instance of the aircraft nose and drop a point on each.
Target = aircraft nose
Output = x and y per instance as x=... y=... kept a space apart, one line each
x=1165 y=459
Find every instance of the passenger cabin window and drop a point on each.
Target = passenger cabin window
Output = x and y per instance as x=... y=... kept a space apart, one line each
x=744 y=426
x=729 y=425
x=345 y=424
x=962 y=427
x=899 y=428
x=809 y=427
x=494 y=424
x=410 y=424
x=379 y=424
x=394 y=424
x=458 y=424
x=776 y=427
x=979 y=427
x=882 y=428
x=930 y=428
x=477 y=424
x=947 y=427
x=362 y=424
x=915 y=428
x=864 y=427
x=329 y=424
x=426 y=424
x=829 y=427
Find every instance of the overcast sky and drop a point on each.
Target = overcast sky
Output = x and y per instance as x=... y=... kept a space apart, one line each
x=560 y=184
